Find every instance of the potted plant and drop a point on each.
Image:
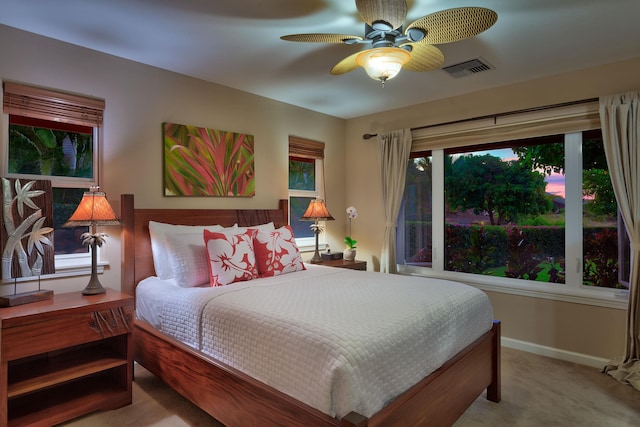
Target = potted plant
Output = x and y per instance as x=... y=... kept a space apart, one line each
x=350 y=251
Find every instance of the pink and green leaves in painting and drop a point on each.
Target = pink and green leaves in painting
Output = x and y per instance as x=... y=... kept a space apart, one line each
x=207 y=162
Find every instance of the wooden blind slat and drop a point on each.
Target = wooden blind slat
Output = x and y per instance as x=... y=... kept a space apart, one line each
x=47 y=104
x=305 y=148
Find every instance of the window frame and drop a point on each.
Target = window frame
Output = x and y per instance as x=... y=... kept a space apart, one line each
x=301 y=149
x=569 y=120
x=56 y=106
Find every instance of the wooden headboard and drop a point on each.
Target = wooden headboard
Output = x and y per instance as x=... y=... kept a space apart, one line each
x=137 y=260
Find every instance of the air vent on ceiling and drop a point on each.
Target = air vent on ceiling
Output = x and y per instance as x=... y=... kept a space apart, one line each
x=467 y=68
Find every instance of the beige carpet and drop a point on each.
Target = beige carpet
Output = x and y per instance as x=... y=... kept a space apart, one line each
x=536 y=391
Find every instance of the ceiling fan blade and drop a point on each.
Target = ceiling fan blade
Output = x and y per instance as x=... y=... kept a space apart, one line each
x=347 y=64
x=424 y=57
x=456 y=24
x=392 y=12
x=320 y=38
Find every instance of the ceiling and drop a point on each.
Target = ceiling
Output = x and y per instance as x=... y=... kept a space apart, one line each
x=237 y=43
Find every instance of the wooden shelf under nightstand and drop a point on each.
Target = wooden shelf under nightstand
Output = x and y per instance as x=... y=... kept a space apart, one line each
x=65 y=357
x=343 y=263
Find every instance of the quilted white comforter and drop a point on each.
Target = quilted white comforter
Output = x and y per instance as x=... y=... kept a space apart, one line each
x=337 y=339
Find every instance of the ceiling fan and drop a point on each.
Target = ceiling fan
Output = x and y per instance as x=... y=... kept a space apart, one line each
x=392 y=48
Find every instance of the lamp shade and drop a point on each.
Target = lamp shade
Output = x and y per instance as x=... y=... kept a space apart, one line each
x=94 y=209
x=317 y=210
x=383 y=63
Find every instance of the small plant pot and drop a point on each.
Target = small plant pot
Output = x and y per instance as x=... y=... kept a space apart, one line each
x=349 y=254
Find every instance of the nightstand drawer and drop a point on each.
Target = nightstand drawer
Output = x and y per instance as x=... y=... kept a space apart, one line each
x=65 y=330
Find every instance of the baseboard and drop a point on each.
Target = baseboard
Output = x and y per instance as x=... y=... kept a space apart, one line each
x=568 y=356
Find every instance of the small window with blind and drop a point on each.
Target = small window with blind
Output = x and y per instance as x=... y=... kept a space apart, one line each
x=54 y=136
x=305 y=183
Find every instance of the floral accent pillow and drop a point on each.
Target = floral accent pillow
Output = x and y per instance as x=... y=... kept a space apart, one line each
x=276 y=252
x=231 y=257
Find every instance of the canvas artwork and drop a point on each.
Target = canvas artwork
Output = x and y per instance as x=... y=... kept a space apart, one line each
x=207 y=162
x=27 y=228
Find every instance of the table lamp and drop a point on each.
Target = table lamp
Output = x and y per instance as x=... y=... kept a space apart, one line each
x=93 y=210
x=316 y=211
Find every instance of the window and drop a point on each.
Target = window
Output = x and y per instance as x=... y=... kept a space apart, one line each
x=533 y=214
x=414 y=233
x=504 y=209
x=54 y=136
x=305 y=184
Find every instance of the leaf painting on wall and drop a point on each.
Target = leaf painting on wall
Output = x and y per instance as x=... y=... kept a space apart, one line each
x=207 y=162
x=27 y=228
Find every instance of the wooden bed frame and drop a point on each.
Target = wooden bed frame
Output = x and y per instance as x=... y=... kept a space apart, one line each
x=236 y=399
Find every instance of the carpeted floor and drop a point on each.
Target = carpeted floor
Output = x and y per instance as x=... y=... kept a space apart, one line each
x=536 y=391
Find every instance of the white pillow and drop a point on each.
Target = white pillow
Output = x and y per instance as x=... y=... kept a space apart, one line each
x=158 y=232
x=188 y=259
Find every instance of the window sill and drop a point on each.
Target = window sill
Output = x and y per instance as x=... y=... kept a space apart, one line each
x=64 y=268
x=609 y=298
x=304 y=248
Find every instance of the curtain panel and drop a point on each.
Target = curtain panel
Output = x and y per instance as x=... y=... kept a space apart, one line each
x=620 y=116
x=394 y=149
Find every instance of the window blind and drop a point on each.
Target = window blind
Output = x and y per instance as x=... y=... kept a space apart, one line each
x=47 y=104
x=305 y=148
x=510 y=127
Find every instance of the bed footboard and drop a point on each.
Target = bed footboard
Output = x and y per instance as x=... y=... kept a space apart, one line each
x=236 y=399
x=228 y=395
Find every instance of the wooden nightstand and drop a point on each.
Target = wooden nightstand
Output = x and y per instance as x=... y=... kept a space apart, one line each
x=65 y=357
x=343 y=263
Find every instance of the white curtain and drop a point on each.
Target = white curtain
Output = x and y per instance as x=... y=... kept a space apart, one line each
x=394 y=149
x=620 y=117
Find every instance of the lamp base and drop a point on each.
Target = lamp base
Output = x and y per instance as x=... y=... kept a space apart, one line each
x=316 y=258
x=94 y=287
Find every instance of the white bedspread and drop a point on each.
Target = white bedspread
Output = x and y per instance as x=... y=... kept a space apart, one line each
x=339 y=340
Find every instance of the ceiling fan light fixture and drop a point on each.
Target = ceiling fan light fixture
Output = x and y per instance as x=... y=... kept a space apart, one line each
x=383 y=63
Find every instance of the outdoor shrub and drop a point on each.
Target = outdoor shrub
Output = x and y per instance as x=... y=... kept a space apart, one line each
x=601 y=257
x=418 y=241
x=473 y=248
x=548 y=240
x=524 y=257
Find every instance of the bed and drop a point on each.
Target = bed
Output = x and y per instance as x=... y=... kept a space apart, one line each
x=237 y=399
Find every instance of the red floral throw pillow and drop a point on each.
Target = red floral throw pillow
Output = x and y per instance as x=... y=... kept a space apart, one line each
x=276 y=252
x=231 y=257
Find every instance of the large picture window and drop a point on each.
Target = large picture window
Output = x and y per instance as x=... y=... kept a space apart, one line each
x=531 y=214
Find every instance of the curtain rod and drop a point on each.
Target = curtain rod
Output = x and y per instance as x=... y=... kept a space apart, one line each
x=495 y=116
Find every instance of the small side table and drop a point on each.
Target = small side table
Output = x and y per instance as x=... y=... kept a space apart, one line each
x=343 y=263
x=65 y=357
